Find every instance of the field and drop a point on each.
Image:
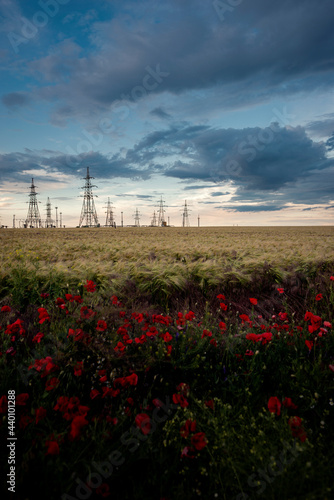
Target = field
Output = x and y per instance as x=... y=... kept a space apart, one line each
x=167 y=363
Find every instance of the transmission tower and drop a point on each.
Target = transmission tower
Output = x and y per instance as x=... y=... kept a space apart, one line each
x=33 y=218
x=161 y=218
x=88 y=211
x=110 y=214
x=137 y=218
x=154 y=220
x=185 y=215
x=49 y=221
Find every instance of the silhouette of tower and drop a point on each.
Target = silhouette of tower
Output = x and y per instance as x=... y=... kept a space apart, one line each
x=185 y=215
x=49 y=221
x=88 y=211
x=110 y=214
x=33 y=218
x=161 y=217
x=154 y=220
x=137 y=218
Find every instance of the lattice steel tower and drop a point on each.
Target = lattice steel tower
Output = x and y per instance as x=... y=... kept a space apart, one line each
x=154 y=220
x=137 y=218
x=49 y=220
x=161 y=217
x=185 y=215
x=33 y=218
x=110 y=214
x=88 y=211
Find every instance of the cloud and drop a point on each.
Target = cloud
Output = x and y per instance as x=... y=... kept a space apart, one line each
x=261 y=49
x=160 y=113
x=14 y=100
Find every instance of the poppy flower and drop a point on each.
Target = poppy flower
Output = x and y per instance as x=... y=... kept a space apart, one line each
x=143 y=421
x=167 y=337
x=223 y=306
x=40 y=413
x=309 y=344
x=199 y=441
x=253 y=301
x=190 y=316
x=37 y=338
x=53 y=448
x=189 y=426
x=332 y=278
x=319 y=296
x=287 y=402
x=274 y=405
x=101 y=326
x=21 y=399
x=280 y=290
x=52 y=384
x=90 y=286
x=222 y=326
x=295 y=424
x=221 y=297
x=103 y=490
x=5 y=309
x=181 y=400
x=210 y=404
x=3 y=404
x=76 y=425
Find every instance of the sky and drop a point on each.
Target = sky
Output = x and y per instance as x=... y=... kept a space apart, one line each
x=225 y=104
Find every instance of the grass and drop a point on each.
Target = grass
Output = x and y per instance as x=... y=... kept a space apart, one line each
x=161 y=265
x=196 y=418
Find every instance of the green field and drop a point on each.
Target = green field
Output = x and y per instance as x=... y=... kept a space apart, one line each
x=168 y=363
x=160 y=265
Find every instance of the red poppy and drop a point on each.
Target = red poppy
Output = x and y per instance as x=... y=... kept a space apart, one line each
x=53 y=448
x=319 y=296
x=287 y=402
x=199 y=441
x=143 y=421
x=21 y=399
x=181 y=400
x=309 y=344
x=78 y=368
x=221 y=297
x=253 y=301
x=52 y=384
x=5 y=309
x=167 y=337
x=295 y=424
x=90 y=286
x=37 y=338
x=103 y=490
x=210 y=404
x=189 y=426
x=332 y=278
x=43 y=315
x=101 y=326
x=94 y=393
x=189 y=316
x=222 y=326
x=3 y=404
x=76 y=425
x=223 y=306
x=274 y=405
x=40 y=413
x=206 y=333
x=280 y=290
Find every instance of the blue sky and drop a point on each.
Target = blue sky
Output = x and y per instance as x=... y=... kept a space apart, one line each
x=226 y=104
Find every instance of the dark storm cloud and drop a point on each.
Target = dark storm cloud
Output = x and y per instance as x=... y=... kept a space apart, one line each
x=323 y=127
x=275 y=165
x=251 y=208
x=16 y=99
x=259 y=50
x=160 y=113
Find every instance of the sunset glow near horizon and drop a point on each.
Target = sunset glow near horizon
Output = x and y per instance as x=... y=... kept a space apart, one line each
x=226 y=104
